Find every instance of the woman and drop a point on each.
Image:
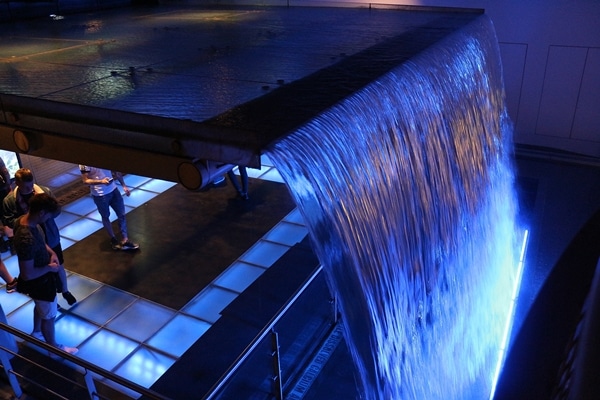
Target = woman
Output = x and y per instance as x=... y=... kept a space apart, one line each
x=38 y=267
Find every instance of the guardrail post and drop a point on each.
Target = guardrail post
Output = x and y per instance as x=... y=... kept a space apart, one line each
x=7 y=341
x=91 y=386
x=277 y=385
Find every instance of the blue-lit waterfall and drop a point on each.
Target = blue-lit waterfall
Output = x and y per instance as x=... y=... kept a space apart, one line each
x=407 y=190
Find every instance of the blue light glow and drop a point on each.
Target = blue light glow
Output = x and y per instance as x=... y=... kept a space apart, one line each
x=511 y=315
x=406 y=188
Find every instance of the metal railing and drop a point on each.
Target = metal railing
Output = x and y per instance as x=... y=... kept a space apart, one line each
x=270 y=337
x=88 y=370
x=266 y=345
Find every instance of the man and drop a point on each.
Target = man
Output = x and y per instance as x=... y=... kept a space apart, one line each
x=106 y=195
x=16 y=203
x=38 y=266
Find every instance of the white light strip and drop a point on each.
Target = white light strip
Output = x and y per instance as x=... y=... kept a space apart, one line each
x=511 y=316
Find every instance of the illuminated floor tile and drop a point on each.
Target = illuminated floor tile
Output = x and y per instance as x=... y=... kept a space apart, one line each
x=66 y=243
x=133 y=181
x=73 y=331
x=238 y=277
x=209 y=303
x=22 y=317
x=294 y=217
x=106 y=349
x=144 y=366
x=272 y=175
x=12 y=265
x=135 y=322
x=80 y=286
x=287 y=233
x=80 y=229
x=157 y=185
x=103 y=305
x=82 y=206
x=264 y=253
x=9 y=302
x=138 y=197
x=178 y=335
x=65 y=218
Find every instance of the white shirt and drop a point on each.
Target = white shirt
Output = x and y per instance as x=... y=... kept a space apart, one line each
x=98 y=174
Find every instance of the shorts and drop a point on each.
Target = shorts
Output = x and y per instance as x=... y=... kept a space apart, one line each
x=46 y=309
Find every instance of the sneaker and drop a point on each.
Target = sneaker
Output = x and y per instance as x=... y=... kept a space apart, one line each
x=67 y=349
x=12 y=286
x=114 y=243
x=38 y=335
x=68 y=296
x=129 y=245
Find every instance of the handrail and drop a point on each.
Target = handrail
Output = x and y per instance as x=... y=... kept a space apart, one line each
x=86 y=365
x=260 y=337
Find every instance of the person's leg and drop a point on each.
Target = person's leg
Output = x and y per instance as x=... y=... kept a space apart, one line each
x=102 y=203
x=62 y=284
x=118 y=205
x=4 y=274
x=244 y=178
x=234 y=181
x=45 y=315
x=37 y=326
x=47 y=311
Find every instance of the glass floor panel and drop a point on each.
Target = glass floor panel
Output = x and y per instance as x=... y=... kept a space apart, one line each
x=141 y=320
x=144 y=366
x=238 y=276
x=80 y=229
x=264 y=253
x=178 y=335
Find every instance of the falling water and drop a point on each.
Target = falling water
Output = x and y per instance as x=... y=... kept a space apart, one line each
x=407 y=190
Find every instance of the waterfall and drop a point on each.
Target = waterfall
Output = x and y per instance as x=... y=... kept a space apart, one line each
x=406 y=187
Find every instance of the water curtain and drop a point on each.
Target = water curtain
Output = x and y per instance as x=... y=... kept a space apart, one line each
x=407 y=191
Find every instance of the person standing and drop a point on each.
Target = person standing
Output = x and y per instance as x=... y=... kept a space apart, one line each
x=106 y=195
x=17 y=204
x=38 y=267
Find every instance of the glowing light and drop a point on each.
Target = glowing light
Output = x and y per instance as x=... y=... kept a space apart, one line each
x=511 y=315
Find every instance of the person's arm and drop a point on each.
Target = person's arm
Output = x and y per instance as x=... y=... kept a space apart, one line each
x=10 y=212
x=53 y=256
x=119 y=176
x=27 y=271
x=89 y=181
